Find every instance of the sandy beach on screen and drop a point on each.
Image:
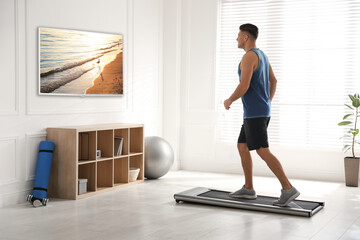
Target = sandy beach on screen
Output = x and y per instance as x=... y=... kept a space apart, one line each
x=111 y=79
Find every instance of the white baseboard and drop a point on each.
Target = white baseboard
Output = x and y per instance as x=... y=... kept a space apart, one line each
x=10 y=199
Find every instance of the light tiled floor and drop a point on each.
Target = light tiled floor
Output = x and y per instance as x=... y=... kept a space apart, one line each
x=148 y=211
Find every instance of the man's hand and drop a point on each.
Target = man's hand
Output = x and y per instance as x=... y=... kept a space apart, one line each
x=227 y=104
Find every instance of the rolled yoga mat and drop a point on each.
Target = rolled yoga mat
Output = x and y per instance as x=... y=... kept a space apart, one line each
x=43 y=168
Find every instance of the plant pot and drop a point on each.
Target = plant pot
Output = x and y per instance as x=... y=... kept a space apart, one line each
x=352 y=171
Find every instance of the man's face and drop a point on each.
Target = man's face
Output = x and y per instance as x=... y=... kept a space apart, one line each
x=241 y=39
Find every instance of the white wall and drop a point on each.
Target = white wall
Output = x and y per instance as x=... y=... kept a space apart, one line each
x=24 y=115
x=199 y=148
x=172 y=77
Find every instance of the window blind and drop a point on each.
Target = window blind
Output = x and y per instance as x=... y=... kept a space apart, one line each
x=314 y=49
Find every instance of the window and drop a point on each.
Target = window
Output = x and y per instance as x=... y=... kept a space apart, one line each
x=313 y=47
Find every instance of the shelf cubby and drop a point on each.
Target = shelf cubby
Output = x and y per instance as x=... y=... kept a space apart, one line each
x=137 y=162
x=87 y=146
x=123 y=133
x=121 y=170
x=105 y=174
x=136 y=140
x=88 y=171
x=105 y=143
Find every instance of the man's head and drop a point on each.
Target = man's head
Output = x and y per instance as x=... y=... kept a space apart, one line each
x=248 y=33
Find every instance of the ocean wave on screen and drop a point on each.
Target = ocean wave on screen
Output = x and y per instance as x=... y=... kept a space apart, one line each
x=48 y=85
x=70 y=65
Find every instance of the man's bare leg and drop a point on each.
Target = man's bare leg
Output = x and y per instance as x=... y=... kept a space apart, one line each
x=275 y=166
x=247 y=165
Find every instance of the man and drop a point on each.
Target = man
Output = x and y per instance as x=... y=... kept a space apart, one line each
x=256 y=89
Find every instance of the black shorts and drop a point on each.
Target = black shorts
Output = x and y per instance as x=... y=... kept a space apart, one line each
x=254 y=133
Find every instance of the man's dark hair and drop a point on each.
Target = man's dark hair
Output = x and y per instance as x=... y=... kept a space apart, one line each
x=251 y=29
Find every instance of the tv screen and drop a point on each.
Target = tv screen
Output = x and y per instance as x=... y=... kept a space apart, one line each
x=80 y=63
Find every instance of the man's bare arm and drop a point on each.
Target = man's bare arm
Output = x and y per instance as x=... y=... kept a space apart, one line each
x=272 y=82
x=247 y=68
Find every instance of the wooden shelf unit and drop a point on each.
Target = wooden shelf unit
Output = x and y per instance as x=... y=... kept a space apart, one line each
x=75 y=157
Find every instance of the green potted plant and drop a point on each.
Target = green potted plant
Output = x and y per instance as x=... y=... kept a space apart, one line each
x=352 y=163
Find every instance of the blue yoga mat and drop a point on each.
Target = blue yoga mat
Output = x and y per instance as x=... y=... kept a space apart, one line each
x=43 y=168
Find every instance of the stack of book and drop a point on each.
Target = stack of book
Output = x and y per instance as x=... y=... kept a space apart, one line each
x=118 y=145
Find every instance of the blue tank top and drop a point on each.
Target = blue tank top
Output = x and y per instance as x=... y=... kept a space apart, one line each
x=256 y=100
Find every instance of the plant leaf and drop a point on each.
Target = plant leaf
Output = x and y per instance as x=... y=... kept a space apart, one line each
x=347 y=115
x=351 y=97
x=344 y=123
x=356 y=102
x=354 y=132
x=349 y=106
x=356 y=95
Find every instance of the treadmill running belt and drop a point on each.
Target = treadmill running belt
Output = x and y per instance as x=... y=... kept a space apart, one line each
x=220 y=198
x=259 y=200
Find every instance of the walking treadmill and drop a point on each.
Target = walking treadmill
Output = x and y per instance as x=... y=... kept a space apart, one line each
x=261 y=203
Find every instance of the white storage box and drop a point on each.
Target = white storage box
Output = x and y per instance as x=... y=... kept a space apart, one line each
x=82 y=185
x=133 y=174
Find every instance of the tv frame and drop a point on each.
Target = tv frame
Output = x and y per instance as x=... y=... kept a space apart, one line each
x=74 y=94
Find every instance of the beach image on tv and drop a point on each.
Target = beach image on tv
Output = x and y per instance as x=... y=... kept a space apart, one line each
x=79 y=62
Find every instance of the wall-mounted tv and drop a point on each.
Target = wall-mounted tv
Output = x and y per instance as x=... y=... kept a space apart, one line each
x=80 y=63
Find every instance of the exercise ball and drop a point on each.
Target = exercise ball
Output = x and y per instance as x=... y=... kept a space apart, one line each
x=159 y=157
